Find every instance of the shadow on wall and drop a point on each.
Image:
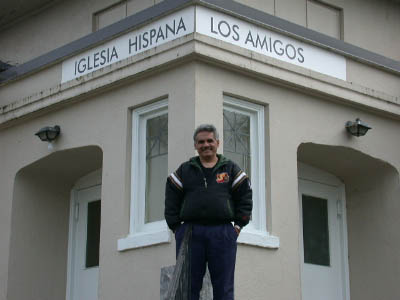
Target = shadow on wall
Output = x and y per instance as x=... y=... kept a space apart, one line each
x=40 y=216
x=373 y=217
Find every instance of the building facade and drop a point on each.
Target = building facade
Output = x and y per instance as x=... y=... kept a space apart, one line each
x=127 y=82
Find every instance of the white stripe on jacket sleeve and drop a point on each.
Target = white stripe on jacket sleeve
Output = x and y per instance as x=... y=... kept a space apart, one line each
x=176 y=180
x=239 y=178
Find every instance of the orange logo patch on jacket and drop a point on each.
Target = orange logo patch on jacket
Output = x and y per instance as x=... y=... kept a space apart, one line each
x=222 y=177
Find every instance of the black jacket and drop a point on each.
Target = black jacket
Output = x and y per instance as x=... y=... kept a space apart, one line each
x=188 y=197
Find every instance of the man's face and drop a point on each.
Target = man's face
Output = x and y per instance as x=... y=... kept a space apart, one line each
x=206 y=144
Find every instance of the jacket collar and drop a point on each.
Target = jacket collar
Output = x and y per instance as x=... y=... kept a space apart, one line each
x=222 y=160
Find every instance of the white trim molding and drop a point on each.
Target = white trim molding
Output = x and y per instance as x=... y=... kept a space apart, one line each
x=255 y=233
x=260 y=238
x=145 y=238
x=142 y=234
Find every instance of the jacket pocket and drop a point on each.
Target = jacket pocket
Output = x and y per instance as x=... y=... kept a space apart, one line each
x=192 y=207
x=219 y=207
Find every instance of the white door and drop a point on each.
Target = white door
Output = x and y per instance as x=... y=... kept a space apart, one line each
x=322 y=242
x=85 y=244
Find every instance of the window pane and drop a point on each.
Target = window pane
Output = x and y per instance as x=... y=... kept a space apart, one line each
x=93 y=234
x=156 y=166
x=315 y=231
x=237 y=139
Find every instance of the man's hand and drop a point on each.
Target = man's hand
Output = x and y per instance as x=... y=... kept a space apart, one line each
x=237 y=229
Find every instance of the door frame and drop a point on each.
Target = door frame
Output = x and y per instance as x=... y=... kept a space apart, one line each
x=312 y=174
x=90 y=180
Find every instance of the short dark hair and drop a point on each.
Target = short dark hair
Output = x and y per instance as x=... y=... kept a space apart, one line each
x=208 y=128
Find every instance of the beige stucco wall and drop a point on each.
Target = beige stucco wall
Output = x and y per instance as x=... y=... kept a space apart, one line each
x=373 y=79
x=102 y=120
x=373 y=236
x=293 y=11
x=371 y=24
x=40 y=216
x=48 y=30
x=195 y=92
x=372 y=192
x=58 y=25
x=38 y=242
x=31 y=86
x=267 y=6
x=319 y=121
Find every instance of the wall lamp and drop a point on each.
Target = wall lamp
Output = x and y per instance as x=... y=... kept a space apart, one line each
x=357 y=128
x=49 y=134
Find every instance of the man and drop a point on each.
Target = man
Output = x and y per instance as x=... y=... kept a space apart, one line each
x=209 y=191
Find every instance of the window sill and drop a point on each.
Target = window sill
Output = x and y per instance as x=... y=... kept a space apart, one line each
x=258 y=238
x=144 y=239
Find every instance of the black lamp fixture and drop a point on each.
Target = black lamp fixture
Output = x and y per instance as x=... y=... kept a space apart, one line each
x=357 y=128
x=49 y=134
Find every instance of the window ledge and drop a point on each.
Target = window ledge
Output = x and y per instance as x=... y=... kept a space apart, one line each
x=258 y=238
x=144 y=239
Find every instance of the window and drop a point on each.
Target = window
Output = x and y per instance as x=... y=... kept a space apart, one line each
x=156 y=166
x=149 y=171
x=244 y=144
x=93 y=233
x=315 y=231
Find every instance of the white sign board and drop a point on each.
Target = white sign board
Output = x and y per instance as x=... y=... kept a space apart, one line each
x=269 y=43
x=152 y=35
x=211 y=23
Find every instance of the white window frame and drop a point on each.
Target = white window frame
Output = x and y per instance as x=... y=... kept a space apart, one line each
x=255 y=233
x=142 y=234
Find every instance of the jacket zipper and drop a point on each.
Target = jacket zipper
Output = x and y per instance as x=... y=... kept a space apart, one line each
x=204 y=178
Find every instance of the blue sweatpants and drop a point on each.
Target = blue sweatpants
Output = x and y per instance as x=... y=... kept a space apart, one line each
x=215 y=245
